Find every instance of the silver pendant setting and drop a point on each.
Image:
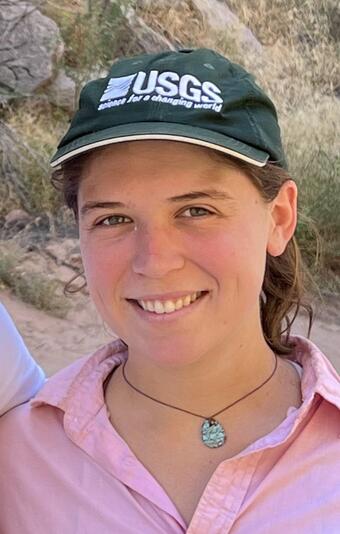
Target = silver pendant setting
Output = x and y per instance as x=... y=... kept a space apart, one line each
x=212 y=433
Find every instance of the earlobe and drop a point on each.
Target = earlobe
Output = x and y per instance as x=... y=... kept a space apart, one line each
x=283 y=218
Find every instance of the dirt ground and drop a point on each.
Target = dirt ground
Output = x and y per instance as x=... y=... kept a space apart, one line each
x=57 y=342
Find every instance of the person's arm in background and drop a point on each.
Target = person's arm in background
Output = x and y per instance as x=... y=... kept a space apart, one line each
x=20 y=376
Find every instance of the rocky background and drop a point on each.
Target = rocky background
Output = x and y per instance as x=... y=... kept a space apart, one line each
x=48 y=50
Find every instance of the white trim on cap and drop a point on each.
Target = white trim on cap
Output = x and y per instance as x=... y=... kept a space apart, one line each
x=167 y=137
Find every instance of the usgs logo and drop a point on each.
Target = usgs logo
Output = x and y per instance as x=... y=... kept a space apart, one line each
x=165 y=87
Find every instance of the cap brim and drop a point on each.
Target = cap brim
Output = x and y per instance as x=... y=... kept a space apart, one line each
x=160 y=130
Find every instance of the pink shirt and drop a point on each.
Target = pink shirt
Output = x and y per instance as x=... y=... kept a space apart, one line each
x=65 y=470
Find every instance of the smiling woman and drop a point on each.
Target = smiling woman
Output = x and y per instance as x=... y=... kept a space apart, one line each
x=283 y=285
x=203 y=417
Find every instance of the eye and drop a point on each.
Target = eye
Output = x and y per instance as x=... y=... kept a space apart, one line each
x=112 y=220
x=117 y=220
x=198 y=210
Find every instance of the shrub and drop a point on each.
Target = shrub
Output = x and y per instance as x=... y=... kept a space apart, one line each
x=91 y=32
x=33 y=288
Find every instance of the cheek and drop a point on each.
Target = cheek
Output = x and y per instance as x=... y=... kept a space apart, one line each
x=102 y=264
x=236 y=257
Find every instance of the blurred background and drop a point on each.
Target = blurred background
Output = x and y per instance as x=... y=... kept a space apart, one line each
x=49 y=49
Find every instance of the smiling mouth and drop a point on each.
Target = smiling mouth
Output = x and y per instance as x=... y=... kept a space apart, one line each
x=169 y=306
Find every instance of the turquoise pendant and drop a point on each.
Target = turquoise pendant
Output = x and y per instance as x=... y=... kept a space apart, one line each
x=213 y=433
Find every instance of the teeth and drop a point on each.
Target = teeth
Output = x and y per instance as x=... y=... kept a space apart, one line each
x=179 y=304
x=187 y=300
x=169 y=306
x=149 y=306
x=159 y=307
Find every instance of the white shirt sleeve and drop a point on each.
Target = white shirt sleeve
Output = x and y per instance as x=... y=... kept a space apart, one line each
x=20 y=376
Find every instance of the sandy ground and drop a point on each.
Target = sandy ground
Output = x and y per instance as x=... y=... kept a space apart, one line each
x=57 y=342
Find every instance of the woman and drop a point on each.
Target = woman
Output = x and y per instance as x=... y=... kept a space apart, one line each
x=202 y=417
x=20 y=376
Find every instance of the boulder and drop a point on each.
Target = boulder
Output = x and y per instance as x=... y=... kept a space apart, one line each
x=30 y=46
x=17 y=218
x=220 y=18
x=62 y=92
x=141 y=38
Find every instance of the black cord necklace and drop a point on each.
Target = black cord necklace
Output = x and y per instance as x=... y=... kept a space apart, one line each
x=212 y=432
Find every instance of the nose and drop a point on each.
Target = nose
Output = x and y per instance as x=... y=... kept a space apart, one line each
x=157 y=252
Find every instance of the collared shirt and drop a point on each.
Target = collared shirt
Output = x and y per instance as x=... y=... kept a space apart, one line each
x=20 y=376
x=65 y=470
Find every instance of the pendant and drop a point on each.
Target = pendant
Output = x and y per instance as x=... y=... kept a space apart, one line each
x=213 y=433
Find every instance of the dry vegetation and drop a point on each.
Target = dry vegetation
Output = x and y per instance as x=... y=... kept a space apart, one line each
x=35 y=288
x=299 y=67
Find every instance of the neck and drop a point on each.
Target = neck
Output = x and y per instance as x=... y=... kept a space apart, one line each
x=203 y=387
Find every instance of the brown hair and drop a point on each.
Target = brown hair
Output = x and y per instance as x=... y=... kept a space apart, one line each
x=286 y=276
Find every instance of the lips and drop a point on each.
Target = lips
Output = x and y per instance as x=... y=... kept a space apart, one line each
x=162 y=299
x=167 y=296
x=168 y=306
x=160 y=311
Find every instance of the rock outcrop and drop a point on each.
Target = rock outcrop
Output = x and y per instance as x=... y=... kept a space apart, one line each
x=220 y=19
x=142 y=38
x=61 y=92
x=30 y=47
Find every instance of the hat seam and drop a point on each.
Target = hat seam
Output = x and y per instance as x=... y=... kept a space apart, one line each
x=257 y=132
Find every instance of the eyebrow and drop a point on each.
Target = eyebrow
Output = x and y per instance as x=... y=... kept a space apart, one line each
x=212 y=194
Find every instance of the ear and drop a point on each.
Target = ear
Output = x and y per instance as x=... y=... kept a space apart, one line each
x=283 y=214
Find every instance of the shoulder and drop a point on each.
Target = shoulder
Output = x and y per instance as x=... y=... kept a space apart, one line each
x=59 y=426
x=20 y=376
x=76 y=389
x=29 y=438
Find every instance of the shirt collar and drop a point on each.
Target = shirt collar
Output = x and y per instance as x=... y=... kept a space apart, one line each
x=319 y=375
x=79 y=387
x=77 y=390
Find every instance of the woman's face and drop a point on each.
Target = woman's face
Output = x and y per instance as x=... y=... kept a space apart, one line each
x=162 y=220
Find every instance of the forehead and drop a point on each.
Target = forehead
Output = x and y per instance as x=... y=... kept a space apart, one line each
x=150 y=174
x=165 y=162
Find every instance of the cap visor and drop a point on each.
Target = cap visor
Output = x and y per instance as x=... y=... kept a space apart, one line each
x=166 y=131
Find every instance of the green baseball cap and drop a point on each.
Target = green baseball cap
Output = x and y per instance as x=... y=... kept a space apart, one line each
x=193 y=96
